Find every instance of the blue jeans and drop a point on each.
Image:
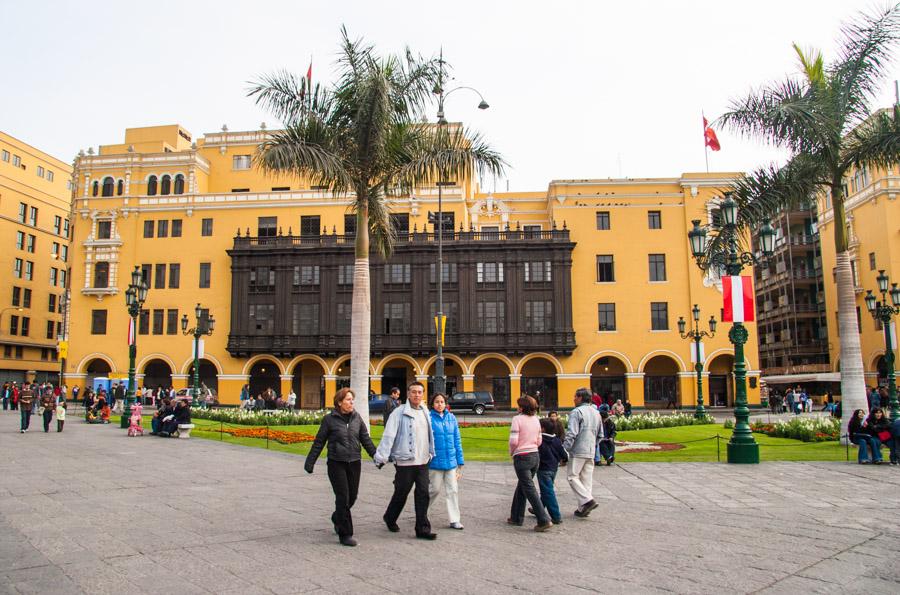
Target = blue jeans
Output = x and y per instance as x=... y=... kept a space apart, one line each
x=548 y=494
x=607 y=449
x=866 y=444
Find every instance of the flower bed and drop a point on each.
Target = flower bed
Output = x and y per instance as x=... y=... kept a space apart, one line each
x=805 y=429
x=281 y=417
x=650 y=421
x=263 y=433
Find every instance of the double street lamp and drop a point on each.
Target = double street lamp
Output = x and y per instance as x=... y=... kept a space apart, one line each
x=884 y=312
x=440 y=378
x=135 y=296
x=202 y=327
x=695 y=334
x=742 y=448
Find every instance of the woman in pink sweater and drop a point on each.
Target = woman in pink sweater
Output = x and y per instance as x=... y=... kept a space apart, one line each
x=524 y=439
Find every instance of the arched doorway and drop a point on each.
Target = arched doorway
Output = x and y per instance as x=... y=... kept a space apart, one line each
x=539 y=381
x=661 y=382
x=396 y=371
x=721 y=380
x=209 y=375
x=265 y=374
x=608 y=378
x=492 y=374
x=97 y=368
x=309 y=384
x=452 y=370
x=157 y=373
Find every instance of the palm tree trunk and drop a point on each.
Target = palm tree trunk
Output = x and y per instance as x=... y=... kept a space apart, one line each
x=853 y=383
x=361 y=315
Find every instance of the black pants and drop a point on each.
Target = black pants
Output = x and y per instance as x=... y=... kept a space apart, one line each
x=59 y=424
x=344 y=478
x=48 y=415
x=526 y=466
x=405 y=477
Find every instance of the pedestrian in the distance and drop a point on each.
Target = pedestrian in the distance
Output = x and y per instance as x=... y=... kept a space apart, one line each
x=26 y=398
x=408 y=442
x=524 y=441
x=345 y=433
x=444 y=471
x=60 y=415
x=392 y=403
x=580 y=443
x=552 y=455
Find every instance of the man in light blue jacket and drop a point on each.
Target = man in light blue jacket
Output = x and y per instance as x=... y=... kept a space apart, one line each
x=408 y=442
x=581 y=442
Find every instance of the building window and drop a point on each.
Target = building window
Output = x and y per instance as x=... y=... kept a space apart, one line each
x=26 y=298
x=654 y=219
x=240 y=190
x=101 y=275
x=305 y=320
x=206 y=227
x=95 y=188
x=262 y=279
x=162 y=228
x=397 y=274
x=310 y=225
x=350 y=225
x=104 y=230
x=144 y=322
x=603 y=220
x=17 y=161
x=120 y=187
x=174 y=276
x=171 y=322
x=7 y=351
x=489 y=272
x=17 y=268
x=17 y=296
x=606 y=314
x=306 y=275
x=29 y=270
x=657 y=267
x=23 y=211
x=205 y=271
x=54 y=250
x=491 y=317
x=29 y=244
x=606 y=268
x=165 y=185
x=51 y=328
x=20 y=240
x=49 y=176
x=151 y=186
x=531 y=231
x=176 y=228
x=65 y=228
x=108 y=186
x=160 y=277
x=449 y=220
x=51 y=303
x=396 y=318
x=240 y=162
x=345 y=274
x=65 y=253
x=26 y=326
x=451 y=311
x=344 y=312
x=148 y=228
x=262 y=318
x=13 y=325
x=98 y=322
x=57 y=224
x=400 y=223
x=158 y=317
x=538 y=317
x=147 y=274
x=32 y=216
x=39 y=171
x=872 y=264
x=4 y=155
x=537 y=272
x=281 y=188
x=450 y=273
x=19 y=351
x=659 y=316
x=179 y=184
x=267 y=227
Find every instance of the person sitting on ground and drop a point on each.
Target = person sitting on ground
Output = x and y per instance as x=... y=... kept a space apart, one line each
x=860 y=436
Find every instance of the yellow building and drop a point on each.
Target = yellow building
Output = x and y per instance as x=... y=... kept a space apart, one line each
x=606 y=263
x=35 y=198
x=873 y=218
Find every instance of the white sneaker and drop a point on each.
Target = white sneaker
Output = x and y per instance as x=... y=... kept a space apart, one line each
x=457 y=526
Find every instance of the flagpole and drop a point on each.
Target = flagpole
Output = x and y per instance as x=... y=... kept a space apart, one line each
x=705 y=144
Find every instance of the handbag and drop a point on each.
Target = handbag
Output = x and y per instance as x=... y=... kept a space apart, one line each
x=884 y=436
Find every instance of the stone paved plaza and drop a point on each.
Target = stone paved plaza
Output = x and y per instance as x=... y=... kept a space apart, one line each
x=92 y=511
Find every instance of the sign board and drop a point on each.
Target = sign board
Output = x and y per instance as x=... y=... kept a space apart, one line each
x=201 y=346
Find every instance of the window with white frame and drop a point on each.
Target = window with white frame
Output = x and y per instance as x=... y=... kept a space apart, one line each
x=240 y=162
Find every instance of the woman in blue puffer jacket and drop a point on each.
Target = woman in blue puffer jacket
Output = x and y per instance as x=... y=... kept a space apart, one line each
x=444 y=469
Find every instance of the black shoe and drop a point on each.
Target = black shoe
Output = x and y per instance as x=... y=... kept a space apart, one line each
x=349 y=541
x=610 y=461
x=429 y=536
x=588 y=507
x=597 y=463
x=580 y=513
x=512 y=522
x=392 y=527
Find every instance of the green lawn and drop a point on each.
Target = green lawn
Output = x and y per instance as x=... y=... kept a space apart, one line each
x=490 y=444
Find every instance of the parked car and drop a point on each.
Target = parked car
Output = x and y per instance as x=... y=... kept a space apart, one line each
x=477 y=401
x=376 y=403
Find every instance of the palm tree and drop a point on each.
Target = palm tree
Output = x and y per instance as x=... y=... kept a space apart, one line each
x=365 y=138
x=823 y=118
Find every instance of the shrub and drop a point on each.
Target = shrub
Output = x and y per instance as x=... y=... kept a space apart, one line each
x=805 y=429
x=282 y=417
x=649 y=421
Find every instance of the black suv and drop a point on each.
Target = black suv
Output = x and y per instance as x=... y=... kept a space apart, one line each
x=477 y=401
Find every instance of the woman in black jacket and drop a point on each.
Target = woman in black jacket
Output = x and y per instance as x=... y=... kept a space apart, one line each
x=879 y=427
x=344 y=431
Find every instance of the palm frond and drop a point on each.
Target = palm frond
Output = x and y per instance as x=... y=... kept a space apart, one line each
x=813 y=65
x=381 y=233
x=876 y=142
x=303 y=151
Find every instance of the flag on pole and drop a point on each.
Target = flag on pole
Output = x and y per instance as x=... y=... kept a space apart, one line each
x=130 y=331
x=737 y=292
x=309 y=74
x=709 y=136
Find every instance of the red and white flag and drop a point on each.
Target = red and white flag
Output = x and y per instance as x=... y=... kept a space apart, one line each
x=709 y=136
x=130 y=331
x=738 y=294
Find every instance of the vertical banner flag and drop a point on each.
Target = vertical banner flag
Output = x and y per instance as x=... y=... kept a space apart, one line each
x=130 y=331
x=440 y=325
x=738 y=295
x=694 y=358
x=893 y=331
x=200 y=349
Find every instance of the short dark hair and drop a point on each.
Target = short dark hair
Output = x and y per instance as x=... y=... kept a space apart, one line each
x=341 y=395
x=415 y=383
x=584 y=395
x=395 y=389
x=548 y=426
x=527 y=404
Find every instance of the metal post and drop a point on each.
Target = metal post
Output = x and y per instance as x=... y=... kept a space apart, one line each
x=742 y=448
x=700 y=411
x=440 y=381
x=129 y=395
x=196 y=382
x=889 y=360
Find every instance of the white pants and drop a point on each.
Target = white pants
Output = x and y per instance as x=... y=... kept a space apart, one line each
x=580 y=473
x=445 y=481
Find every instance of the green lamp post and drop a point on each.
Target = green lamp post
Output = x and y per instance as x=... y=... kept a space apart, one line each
x=742 y=448
x=203 y=327
x=884 y=312
x=695 y=334
x=135 y=296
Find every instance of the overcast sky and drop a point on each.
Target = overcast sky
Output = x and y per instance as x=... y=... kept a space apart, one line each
x=591 y=89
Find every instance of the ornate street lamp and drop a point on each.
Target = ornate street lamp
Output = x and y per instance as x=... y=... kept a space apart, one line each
x=742 y=448
x=884 y=312
x=135 y=296
x=202 y=327
x=695 y=334
x=440 y=378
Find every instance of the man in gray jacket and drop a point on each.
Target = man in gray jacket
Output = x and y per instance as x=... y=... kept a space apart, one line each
x=408 y=442
x=580 y=443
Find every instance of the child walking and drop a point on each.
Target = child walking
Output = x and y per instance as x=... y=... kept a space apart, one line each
x=60 y=415
x=552 y=456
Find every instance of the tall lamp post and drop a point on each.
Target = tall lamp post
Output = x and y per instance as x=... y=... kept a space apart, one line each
x=884 y=312
x=695 y=334
x=440 y=378
x=135 y=296
x=203 y=327
x=742 y=448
